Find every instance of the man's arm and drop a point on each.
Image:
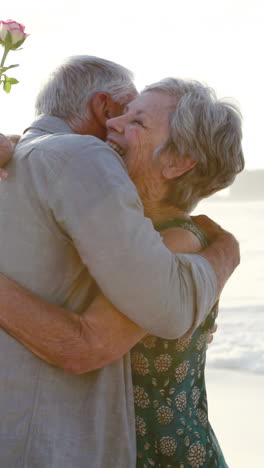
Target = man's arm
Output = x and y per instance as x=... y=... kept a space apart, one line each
x=76 y=343
x=96 y=203
x=99 y=207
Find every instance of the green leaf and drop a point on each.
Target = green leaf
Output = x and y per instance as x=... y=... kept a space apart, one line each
x=13 y=66
x=4 y=69
x=8 y=82
x=7 y=86
x=13 y=81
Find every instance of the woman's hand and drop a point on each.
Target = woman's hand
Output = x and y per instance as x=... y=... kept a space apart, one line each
x=223 y=251
x=7 y=147
x=3 y=174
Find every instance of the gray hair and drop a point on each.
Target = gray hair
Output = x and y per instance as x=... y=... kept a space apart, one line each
x=72 y=84
x=209 y=131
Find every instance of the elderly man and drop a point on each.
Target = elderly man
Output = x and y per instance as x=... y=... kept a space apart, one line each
x=69 y=212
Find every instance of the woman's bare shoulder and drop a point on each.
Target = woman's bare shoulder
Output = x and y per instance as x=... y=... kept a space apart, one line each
x=179 y=240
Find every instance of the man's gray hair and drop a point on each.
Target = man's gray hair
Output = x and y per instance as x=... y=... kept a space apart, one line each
x=209 y=131
x=72 y=84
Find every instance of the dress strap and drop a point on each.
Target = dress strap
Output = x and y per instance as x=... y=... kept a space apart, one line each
x=184 y=224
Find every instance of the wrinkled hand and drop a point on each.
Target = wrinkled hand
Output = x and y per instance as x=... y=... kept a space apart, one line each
x=211 y=229
x=3 y=174
x=214 y=231
x=6 y=149
x=210 y=335
x=223 y=251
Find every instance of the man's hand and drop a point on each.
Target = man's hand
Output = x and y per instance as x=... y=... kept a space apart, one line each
x=210 y=335
x=223 y=252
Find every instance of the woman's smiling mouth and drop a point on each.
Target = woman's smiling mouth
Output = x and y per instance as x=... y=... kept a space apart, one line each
x=116 y=147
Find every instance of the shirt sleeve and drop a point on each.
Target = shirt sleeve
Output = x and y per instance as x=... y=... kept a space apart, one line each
x=96 y=203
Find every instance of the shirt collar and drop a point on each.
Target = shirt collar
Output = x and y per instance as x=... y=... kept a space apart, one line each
x=49 y=124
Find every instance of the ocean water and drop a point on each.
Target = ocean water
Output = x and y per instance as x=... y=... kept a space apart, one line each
x=239 y=340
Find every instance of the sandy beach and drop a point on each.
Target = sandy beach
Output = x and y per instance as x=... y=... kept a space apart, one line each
x=236 y=411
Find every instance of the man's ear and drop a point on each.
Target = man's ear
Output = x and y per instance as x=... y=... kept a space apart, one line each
x=175 y=167
x=100 y=106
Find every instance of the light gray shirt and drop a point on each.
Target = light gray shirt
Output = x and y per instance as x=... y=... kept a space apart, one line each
x=69 y=211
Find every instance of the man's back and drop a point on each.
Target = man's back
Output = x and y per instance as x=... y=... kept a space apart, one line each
x=49 y=417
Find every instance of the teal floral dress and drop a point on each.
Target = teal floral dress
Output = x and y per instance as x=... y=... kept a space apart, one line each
x=172 y=424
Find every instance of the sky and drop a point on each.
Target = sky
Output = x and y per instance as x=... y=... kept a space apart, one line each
x=219 y=42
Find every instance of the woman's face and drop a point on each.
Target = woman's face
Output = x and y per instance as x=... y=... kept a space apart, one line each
x=136 y=134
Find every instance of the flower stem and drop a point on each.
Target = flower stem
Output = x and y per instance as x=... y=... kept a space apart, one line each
x=4 y=56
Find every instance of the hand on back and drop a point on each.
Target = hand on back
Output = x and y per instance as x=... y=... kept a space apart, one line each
x=7 y=146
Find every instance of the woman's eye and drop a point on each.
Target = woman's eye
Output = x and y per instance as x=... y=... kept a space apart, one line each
x=138 y=122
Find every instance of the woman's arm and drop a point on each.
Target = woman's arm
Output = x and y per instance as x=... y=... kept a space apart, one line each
x=76 y=343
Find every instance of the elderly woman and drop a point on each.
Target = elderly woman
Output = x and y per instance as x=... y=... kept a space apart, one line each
x=180 y=144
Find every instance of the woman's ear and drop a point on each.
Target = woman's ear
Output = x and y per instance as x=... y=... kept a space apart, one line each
x=175 y=167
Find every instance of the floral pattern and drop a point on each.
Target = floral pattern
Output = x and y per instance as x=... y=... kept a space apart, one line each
x=202 y=416
x=196 y=455
x=195 y=395
x=165 y=415
x=181 y=371
x=181 y=345
x=163 y=362
x=139 y=363
x=181 y=401
x=202 y=339
x=149 y=341
x=172 y=424
x=141 y=427
x=141 y=398
x=167 y=446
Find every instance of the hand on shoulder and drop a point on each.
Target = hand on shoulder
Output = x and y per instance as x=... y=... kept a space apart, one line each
x=179 y=240
x=6 y=149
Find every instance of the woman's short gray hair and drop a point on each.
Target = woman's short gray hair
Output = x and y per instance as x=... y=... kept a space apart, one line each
x=209 y=131
x=70 y=86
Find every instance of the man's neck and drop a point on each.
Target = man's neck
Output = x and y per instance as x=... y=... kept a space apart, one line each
x=89 y=127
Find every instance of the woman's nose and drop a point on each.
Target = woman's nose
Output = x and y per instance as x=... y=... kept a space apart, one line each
x=116 y=124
